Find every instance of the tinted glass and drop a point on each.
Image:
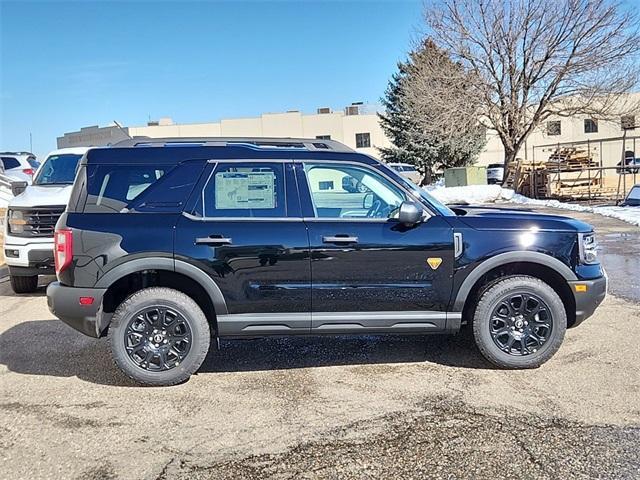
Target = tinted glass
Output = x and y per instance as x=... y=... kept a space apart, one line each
x=111 y=188
x=10 y=162
x=58 y=169
x=245 y=190
x=33 y=162
x=357 y=192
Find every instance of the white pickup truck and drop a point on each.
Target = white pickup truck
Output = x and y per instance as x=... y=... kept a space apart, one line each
x=32 y=216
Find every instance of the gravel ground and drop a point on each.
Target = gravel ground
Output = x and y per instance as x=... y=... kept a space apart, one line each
x=327 y=407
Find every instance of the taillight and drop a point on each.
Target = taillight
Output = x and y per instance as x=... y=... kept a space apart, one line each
x=28 y=171
x=63 y=249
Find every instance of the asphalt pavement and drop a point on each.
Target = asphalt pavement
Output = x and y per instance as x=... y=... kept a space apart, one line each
x=329 y=407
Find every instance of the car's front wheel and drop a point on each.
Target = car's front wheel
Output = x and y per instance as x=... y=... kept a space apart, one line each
x=159 y=336
x=519 y=322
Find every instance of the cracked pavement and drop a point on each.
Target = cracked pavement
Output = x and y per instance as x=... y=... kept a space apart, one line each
x=329 y=407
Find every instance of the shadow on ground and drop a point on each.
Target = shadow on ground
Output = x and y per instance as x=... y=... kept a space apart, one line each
x=48 y=347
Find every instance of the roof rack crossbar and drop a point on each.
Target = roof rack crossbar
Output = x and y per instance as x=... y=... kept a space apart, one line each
x=253 y=142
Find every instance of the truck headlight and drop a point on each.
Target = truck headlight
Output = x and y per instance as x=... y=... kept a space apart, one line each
x=588 y=248
x=16 y=221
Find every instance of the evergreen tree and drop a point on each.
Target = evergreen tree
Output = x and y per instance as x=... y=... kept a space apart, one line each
x=430 y=113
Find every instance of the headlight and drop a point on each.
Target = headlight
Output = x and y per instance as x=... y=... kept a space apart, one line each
x=16 y=221
x=588 y=248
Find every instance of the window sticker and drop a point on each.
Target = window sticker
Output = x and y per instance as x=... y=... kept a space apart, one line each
x=245 y=190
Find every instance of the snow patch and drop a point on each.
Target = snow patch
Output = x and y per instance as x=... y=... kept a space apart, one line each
x=471 y=194
x=476 y=194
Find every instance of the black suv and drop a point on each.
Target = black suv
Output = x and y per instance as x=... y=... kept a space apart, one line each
x=167 y=244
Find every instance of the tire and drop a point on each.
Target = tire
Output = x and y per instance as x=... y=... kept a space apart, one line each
x=24 y=284
x=529 y=343
x=132 y=340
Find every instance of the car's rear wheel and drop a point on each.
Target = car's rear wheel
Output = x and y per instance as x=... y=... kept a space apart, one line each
x=159 y=336
x=519 y=322
x=22 y=284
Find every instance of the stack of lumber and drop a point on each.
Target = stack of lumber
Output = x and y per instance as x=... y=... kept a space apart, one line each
x=564 y=175
x=569 y=159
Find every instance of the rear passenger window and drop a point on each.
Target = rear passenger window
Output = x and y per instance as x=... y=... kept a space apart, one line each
x=245 y=190
x=111 y=188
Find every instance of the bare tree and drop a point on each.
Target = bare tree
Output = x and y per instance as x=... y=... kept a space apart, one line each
x=442 y=96
x=535 y=58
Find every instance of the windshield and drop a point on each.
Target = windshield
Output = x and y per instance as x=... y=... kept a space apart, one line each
x=58 y=170
x=634 y=194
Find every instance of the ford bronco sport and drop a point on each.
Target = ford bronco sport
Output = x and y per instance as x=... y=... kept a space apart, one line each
x=167 y=244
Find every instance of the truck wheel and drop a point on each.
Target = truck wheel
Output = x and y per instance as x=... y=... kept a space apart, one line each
x=24 y=284
x=159 y=336
x=519 y=322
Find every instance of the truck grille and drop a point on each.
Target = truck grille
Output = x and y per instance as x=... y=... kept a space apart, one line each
x=40 y=221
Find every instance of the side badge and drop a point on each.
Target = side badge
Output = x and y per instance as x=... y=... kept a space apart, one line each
x=434 y=262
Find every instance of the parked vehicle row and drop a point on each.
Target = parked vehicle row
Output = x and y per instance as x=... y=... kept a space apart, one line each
x=168 y=243
x=18 y=166
x=31 y=219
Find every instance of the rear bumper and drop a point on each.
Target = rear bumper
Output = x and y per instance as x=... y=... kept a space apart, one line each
x=64 y=303
x=587 y=301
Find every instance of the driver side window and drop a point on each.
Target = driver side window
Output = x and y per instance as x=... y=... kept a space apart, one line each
x=347 y=191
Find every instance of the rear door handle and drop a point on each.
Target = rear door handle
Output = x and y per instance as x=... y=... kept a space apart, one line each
x=340 y=239
x=213 y=240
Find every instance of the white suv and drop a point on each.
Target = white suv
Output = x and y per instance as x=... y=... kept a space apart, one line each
x=20 y=166
x=32 y=216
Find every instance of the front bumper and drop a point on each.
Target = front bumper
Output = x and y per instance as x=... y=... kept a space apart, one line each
x=64 y=303
x=587 y=301
x=29 y=258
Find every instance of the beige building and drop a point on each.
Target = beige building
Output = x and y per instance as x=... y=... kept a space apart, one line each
x=602 y=139
x=356 y=126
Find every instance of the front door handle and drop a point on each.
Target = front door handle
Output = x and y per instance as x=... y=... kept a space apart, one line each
x=213 y=240
x=340 y=239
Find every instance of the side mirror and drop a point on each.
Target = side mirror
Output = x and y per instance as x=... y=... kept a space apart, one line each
x=409 y=213
x=367 y=201
x=18 y=187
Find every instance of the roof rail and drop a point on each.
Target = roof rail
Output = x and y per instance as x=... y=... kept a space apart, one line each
x=254 y=142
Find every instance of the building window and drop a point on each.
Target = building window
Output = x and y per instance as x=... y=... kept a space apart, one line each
x=590 y=125
x=554 y=128
x=628 y=122
x=323 y=137
x=363 y=140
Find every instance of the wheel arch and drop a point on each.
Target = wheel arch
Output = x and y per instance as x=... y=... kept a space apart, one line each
x=534 y=264
x=140 y=273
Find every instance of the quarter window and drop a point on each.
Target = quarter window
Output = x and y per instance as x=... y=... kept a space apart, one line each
x=356 y=193
x=363 y=140
x=110 y=189
x=245 y=190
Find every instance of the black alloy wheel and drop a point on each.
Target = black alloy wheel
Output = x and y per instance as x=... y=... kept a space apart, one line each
x=158 y=338
x=521 y=323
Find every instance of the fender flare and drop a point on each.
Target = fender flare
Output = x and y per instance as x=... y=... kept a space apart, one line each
x=178 y=266
x=506 y=258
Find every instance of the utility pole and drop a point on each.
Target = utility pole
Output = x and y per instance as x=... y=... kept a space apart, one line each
x=30 y=142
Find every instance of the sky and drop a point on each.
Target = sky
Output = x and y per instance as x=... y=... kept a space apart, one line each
x=66 y=65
